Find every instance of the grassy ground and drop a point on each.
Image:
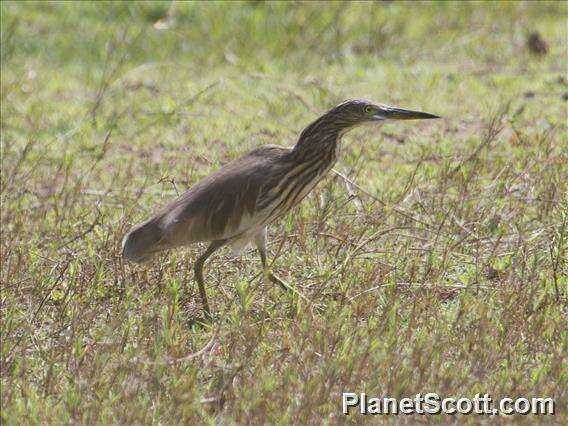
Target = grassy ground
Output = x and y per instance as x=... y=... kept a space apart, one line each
x=445 y=272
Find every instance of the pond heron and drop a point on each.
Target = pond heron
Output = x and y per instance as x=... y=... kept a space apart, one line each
x=234 y=205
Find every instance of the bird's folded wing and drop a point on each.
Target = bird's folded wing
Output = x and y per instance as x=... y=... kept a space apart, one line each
x=223 y=205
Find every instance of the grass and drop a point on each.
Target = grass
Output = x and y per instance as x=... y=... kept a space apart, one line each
x=443 y=270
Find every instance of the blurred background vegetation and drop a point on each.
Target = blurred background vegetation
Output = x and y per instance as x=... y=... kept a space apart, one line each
x=110 y=108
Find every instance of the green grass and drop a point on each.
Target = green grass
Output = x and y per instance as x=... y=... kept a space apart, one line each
x=448 y=274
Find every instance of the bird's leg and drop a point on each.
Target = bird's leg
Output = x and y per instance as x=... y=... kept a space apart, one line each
x=198 y=268
x=260 y=241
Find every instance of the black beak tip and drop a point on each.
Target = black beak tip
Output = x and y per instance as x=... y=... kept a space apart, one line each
x=407 y=114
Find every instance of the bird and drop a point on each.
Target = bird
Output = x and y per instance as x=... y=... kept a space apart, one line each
x=234 y=205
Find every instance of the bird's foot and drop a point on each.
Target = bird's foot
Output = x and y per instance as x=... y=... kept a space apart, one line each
x=275 y=279
x=200 y=322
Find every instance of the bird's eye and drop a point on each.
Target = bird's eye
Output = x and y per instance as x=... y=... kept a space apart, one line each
x=368 y=110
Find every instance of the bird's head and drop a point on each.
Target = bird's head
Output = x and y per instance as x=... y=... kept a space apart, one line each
x=354 y=112
x=349 y=114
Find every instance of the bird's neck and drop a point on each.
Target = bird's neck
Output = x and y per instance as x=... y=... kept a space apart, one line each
x=319 y=140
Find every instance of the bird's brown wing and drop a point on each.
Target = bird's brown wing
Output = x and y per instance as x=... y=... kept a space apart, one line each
x=223 y=205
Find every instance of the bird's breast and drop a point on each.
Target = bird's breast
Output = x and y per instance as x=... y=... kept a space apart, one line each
x=293 y=187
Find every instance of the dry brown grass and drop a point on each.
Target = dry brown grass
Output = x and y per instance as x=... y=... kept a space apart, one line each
x=441 y=262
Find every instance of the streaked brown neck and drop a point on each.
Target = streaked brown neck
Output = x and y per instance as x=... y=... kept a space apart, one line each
x=320 y=139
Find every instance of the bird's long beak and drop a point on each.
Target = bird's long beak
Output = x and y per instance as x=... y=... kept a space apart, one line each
x=392 y=113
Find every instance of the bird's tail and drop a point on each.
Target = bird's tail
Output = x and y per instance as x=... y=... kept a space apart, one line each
x=140 y=244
